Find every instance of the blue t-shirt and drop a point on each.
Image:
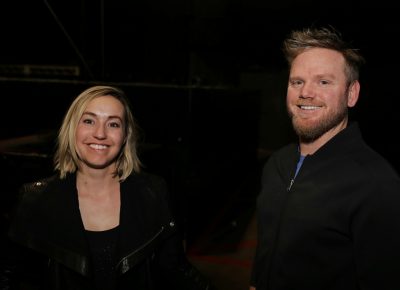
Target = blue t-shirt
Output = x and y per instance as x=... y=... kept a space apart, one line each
x=299 y=163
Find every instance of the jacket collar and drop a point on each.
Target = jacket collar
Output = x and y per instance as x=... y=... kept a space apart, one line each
x=341 y=143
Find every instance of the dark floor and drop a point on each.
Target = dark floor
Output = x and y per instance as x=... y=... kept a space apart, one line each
x=224 y=250
x=226 y=258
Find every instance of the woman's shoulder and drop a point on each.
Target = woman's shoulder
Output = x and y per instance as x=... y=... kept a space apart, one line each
x=38 y=186
x=32 y=196
x=30 y=207
x=147 y=179
x=146 y=187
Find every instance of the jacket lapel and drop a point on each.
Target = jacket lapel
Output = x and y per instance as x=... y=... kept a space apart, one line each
x=143 y=222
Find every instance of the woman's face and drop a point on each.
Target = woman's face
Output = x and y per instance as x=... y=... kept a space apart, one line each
x=100 y=133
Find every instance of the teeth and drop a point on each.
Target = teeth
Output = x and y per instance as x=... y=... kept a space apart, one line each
x=98 y=146
x=309 y=107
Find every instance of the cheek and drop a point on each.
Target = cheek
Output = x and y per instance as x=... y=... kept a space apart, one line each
x=78 y=140
x=80 y=134
x=339 y=102
x=118 y=138
x=291 y=100
x=291 y=95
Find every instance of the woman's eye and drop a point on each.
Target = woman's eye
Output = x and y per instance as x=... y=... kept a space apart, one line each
x=114 y=125
x=87 y=121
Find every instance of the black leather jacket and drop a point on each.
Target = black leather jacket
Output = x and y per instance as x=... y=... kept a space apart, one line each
x=48 y=248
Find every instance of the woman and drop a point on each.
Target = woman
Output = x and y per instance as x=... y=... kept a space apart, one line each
x=100 y=223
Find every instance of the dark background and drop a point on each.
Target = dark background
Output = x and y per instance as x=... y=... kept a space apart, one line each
x=206 y=79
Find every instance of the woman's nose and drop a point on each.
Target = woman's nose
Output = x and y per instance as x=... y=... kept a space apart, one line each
x=100 y=132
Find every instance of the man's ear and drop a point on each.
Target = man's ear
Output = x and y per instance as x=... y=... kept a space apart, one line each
x=353 y=94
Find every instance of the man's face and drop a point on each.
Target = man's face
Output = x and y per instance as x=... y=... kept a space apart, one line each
x=318 y=94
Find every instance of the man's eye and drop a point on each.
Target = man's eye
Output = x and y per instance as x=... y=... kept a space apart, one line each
x=295 y=83
x=324 y=82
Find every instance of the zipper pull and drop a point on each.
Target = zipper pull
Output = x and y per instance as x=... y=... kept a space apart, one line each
x=290 y=185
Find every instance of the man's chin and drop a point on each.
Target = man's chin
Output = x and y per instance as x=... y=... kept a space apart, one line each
x=308 y=133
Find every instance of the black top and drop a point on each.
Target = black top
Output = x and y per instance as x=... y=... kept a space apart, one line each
x=102 y=246
x=337 y=226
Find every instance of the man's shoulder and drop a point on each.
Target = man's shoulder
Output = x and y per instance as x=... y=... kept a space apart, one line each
x=283 y=157
x=288 y=150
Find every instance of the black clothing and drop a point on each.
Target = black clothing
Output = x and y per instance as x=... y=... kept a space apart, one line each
x=103 y=246
x=54 y=252
x=336 y=226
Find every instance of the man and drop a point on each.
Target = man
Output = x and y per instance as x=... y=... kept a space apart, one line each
x=329 y=211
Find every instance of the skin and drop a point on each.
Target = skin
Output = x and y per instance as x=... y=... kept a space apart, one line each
x=99 y=139
x=318 y=97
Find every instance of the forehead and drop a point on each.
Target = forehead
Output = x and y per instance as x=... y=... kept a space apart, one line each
x=105 y=104
x=319 y=60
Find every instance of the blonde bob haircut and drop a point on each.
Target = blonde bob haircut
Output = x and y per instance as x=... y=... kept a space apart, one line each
x=66 y=159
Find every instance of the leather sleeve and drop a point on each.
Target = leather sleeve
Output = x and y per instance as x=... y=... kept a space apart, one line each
x=19 y=266
x=175 y=269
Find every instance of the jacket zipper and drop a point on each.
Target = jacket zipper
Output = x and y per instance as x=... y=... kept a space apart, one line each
x=123 y=260
x=289 y=187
